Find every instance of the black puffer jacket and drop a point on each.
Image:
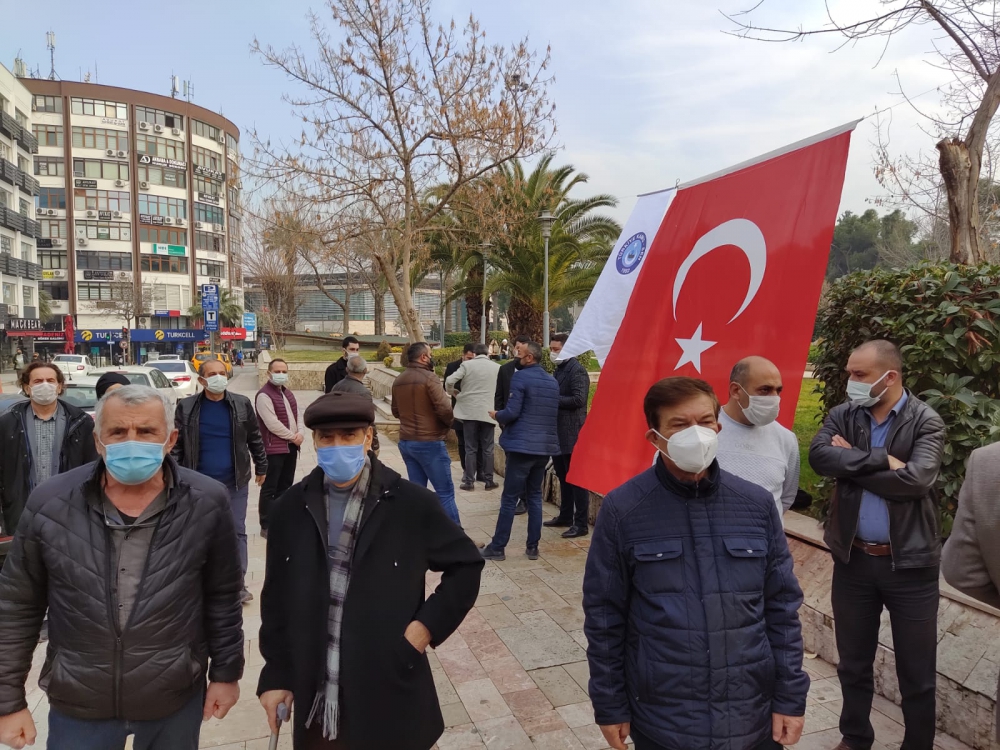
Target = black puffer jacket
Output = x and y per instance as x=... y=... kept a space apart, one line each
x=186 y=612
x=574 y=390
x=246 y=435
x=15 y=459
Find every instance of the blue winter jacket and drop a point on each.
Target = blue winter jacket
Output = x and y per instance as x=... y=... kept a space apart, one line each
x=691 y=611
x=530 y=419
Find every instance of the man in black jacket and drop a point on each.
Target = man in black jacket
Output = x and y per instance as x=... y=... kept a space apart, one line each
x=41 y=438
x=574 y=391
x=504 y=378
x=352 y=657
x=338 y=370
x=135 y=560
x=217 y=435
x=884 y=449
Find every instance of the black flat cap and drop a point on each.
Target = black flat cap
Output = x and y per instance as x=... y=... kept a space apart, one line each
x=109 y=379
x=340 y=409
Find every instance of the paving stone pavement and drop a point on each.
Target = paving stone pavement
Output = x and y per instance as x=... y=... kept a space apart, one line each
x=514 y=676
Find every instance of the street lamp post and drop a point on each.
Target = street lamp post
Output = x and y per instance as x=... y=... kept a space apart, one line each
x=485 y=246
x=545 y=221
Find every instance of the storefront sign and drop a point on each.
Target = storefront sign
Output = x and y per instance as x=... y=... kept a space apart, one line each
x=209 y=198
x=99 y=335
x=166 y=334
x=24 y=324
x=85 y=183
x=43 y=243
x=159 y=161
x=51 y=274
x=167 y=313
x=113 y=121
x=232 y=334
x=206 y=172
x=159 y=249
x=98 y=275
x=104 y=216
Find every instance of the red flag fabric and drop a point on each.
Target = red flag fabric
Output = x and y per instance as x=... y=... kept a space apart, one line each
x=735 y=269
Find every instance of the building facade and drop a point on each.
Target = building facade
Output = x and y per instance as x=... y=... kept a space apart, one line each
x=138 y=205
x=19 y=271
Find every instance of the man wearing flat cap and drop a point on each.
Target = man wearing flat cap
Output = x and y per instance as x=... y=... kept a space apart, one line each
x=344 y=620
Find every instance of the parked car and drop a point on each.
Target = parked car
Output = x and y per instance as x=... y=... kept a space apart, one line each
x=7 y=400
x=73 y=364
x=162 y=357
x=183 y=375
x=81 y=391
x=148 y=376
x=200 y=357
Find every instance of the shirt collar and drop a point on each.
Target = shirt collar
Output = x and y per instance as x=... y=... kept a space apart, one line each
x=897 y=409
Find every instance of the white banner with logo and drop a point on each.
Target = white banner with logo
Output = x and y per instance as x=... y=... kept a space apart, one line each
x=602 y=315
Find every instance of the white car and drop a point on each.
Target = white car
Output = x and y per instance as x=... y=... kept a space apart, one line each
x=148 y=376
x=182 y=373
x=73 y=364
x=169 y=357
x=81 y=391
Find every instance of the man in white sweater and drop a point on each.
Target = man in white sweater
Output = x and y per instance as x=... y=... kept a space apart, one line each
x=751 y=444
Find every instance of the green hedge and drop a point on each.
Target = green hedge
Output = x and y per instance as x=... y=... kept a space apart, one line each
x=944 y=318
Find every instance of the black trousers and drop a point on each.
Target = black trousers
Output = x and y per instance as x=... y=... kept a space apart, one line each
x=861 y=588
x=280 y=476
x=459 y=429
x=642 y=742
x=574 y=502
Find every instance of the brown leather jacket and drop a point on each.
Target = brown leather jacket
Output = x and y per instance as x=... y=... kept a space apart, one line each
x=421 y=405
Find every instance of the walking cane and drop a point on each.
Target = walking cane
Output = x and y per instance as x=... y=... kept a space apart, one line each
x=282 y=716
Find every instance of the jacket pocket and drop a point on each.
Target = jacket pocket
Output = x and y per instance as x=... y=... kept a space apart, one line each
x=747 y=563
x=659 y=566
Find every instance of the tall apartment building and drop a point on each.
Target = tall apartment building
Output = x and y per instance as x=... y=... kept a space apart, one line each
x=137 y=192
x=19 y=273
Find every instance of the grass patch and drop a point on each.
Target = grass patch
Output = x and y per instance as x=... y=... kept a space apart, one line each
x=322 y=355
x=593 y=365
x=807 y=424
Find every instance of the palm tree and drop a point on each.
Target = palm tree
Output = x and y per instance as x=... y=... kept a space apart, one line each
x=44 y=306
x=580 y=244
x=230 y=310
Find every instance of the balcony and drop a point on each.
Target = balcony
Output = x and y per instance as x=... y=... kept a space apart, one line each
x=28 y=183
x=8 y=172
x=11 y=219
x=32 y=228
x=9 y=126
x=12 y=129
x=15 y=176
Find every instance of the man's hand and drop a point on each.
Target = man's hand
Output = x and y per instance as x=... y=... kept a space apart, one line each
x=260 y=479
x=270 y=701
x=221 y=697
x=895 y=464
x=616 y=734
x=493 y=415
x=418 y=636
x=17 y=730
x=839 y=442
x=786 y=730
x=299 y=439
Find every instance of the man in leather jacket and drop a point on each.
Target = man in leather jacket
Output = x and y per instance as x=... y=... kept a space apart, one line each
x=217 y=433
x=884 y=450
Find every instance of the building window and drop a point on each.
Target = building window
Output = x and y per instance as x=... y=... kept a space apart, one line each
x=102 y=200
x=3 y=103
x=4 y=151
x=156 y=146
x=210 y=268
x=48 y=135
x=57 y=290
x=24 y=207
x=47 y=166
x=104 y=230
x=24 y=164
x=26 y=251
x=51 y=258
x=6 y=244
x=171 y=297
x=9 y=294
x=204 y=129
x=53 y=228
x=51 y=197
x=28 y=295
x=96 y=260
x=161 y=323
x=206 y=185
x=22 y=119
x=99 y=108
x=211 y=214
x=93 y=292
x=101 y=138
x=5 y=198
x=162 y=176
x=100 y=170
x=48 y=104
x=206 y=241
x=231 y=144
x=163 y=264
x=159 y=117
x=205 y=158
x=162 y=235
x=158 y=205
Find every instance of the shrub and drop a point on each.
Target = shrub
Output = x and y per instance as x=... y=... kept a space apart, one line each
x=458 y=338
x=397 y=350
x=387 y=361
x=944 y=319
x=448 y=354
x=813 y=353
x=384 y=350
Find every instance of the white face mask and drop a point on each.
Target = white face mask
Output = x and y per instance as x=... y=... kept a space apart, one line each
x=279 y=378
x=44 y=394
x=762 y=409
x=692 y=449
x=861 y=393
x=216 y=383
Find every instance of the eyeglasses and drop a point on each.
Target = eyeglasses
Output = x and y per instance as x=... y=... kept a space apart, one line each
x=116 y=526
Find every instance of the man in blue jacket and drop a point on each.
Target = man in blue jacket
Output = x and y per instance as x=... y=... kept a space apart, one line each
x=690 y=599
x=530 y=436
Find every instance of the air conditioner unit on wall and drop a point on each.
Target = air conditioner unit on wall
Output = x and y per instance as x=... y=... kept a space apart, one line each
x=56 y=243
x=222 y=137
x=143 y=126
x=82 y=242
x=175 y=131
x=179 y=222
x=158 y=128
x=219 y=227
x=168 y=220
x=117 y=214
x=91 y=213
x=144 y=186
x=110 y=152
x=199 y=225
x=122 y=154
x=119 y=183
x=51 y=212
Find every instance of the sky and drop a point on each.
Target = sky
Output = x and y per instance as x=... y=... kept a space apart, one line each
x=648 y=92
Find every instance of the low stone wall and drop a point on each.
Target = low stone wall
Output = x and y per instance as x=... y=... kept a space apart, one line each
x=302 y=376
x=380 y=380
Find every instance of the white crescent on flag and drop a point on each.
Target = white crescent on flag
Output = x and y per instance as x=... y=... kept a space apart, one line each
x=598 y=324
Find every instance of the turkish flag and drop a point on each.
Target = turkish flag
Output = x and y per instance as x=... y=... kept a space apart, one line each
x=736 y=269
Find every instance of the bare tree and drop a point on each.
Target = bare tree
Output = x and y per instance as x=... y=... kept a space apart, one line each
x=969 y=50
x=393 y=106
x=274 y=273
x=129 y=301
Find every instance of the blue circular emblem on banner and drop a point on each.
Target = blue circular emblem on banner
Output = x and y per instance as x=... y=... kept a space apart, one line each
x=631 y=254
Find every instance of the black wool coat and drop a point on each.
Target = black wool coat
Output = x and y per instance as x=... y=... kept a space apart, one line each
x=387 y=695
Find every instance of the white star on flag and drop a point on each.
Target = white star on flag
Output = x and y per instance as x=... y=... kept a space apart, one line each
x=693 y=348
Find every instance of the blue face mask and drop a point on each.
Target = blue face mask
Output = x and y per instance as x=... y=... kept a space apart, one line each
x=341 y=463
x=133 y=462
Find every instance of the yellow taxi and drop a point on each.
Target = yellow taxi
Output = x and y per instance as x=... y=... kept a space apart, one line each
x=197 y=359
